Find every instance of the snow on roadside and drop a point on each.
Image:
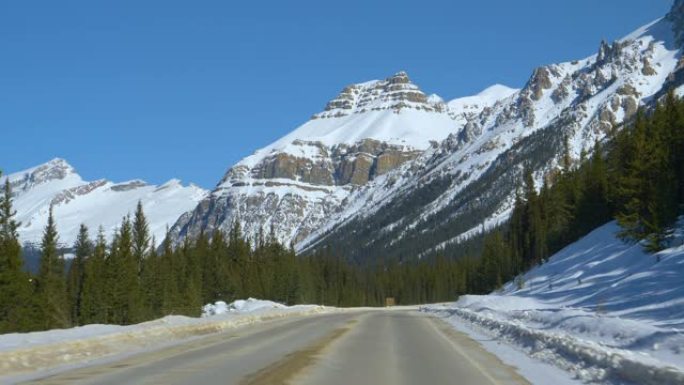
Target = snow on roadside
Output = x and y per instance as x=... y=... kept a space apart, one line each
x=239 y=306
x=600 y=309
x=39 y=351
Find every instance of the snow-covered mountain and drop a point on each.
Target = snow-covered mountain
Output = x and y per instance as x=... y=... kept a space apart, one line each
x=467 y=182
x=387 y=170
x=298 y=184
x=98 y=203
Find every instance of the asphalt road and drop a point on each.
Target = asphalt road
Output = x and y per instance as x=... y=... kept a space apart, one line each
x=365 y=347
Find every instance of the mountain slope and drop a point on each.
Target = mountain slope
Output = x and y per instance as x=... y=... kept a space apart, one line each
x=297 y=184
x=385 y=170
x=98 y=203
x=468 y=183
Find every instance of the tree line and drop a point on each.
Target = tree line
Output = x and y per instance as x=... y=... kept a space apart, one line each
x=129 y=279
x=635 y=176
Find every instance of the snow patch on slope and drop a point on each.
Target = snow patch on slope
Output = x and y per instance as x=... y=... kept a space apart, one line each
x=486 y=98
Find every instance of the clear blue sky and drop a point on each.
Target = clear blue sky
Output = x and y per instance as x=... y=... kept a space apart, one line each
x=162 y=89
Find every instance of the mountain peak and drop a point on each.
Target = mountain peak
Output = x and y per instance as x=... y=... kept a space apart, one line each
x=55 y=169
x=60 y=163
x=400 y=77
x=394 y=93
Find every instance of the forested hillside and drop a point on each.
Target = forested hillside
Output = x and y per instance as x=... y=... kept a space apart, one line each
x=636 y=177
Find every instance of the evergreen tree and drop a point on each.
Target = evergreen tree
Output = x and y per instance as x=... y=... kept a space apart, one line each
x=169 y=277
x=132 y=301
x=125 y=299
x=51 y=285
x=141 y=236
x=189 y=275
x=648 y=186
x=93 y=307
x=594 y=208
x=151 y=283
x=534 y=231
x=75 y=277
x=675 y=121
x=15 y=288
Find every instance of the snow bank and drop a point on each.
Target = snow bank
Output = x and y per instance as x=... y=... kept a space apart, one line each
x=239 y=306
x=600 y=309
x=30 y=352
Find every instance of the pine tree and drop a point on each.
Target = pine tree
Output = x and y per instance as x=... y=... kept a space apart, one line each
x=189 y=278
x=495 y=265
x=534 y=231
x=51 y=286
x=675 y=120
x=648 y=188
x=170 y=272
x=632 y=184
x=221 y=275
x=93 y=307
x=112 y=288
x=75 y=277
x=567 y=158
x=141 y=236
x=124 y=295
x=594 y=208
x=151 y=283
x=131 y=301
x=15 y=288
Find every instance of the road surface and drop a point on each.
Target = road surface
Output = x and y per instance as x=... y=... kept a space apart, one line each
x=364 y=347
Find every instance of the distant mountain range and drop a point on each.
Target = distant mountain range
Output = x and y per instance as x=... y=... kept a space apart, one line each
x=98 y=203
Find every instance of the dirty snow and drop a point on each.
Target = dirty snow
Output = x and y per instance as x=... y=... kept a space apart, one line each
x=239 y=306
x=26 y=354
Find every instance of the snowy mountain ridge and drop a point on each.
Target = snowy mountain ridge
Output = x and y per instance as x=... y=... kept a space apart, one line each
x=97 y=203
x=383 y=163
x=301 y=181
x=467 y=183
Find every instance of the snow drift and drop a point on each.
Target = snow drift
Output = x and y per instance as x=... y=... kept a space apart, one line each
x=239 y=306
x=601 y=309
